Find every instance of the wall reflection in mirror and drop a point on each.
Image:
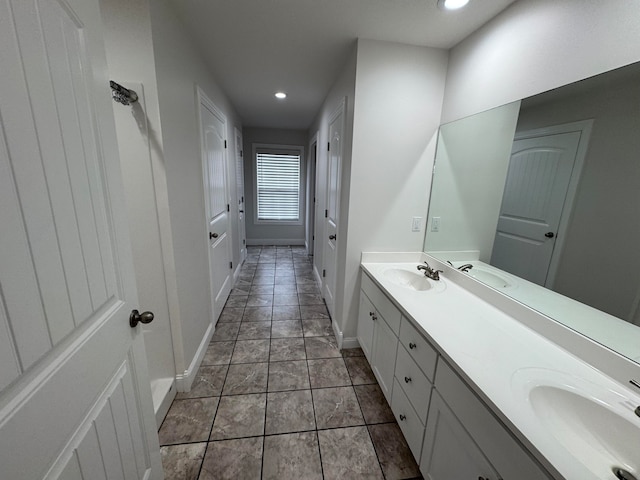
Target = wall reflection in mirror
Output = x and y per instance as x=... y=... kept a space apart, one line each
x=542 y=198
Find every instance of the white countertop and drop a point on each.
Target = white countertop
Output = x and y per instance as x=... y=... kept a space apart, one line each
x=497 y=355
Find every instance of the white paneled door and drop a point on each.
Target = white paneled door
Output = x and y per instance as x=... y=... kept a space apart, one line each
x=75 y=400
x=534 y=197
x=213 y=125
x=334 y=171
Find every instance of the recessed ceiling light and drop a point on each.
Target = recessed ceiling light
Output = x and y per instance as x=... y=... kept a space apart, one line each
x=281 y=95
x=452 y=4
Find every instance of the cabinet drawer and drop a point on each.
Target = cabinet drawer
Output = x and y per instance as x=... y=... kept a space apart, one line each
x=505 y=453
x=419 y=349
x=384 y=306
x=414 y=383
x=411 y=426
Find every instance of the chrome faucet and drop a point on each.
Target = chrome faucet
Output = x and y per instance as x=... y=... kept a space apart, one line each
x=430 y=272
x=465 y=268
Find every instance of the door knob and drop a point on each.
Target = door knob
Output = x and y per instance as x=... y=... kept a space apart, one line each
x=549 y=235
x=136 y=316
x=212 y=235
x=332 y=237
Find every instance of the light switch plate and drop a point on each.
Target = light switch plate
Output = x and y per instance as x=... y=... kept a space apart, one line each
x=435 y=224
x=416 y=223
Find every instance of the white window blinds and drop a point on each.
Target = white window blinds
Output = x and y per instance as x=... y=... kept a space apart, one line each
x=278 y=186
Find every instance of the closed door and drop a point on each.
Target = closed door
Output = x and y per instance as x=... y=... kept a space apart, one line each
x=383 y=351
x=213 y=125
x=534 y=196
x=334 y=169
x=366 y=321
x=448 y=451
x=75 y=400
x=242 y=235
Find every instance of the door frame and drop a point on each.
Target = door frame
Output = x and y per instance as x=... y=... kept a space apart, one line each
x=341 y=109
x=312 y=186
x=584 y=127
x=203 y=99
x=242 y=233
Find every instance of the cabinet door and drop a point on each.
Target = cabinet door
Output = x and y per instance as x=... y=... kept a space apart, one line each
x=365 y=325
x=385 y=346
x=448 y=451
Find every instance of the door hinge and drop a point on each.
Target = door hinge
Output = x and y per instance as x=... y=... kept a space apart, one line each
x=244 y=242
x=225 y=144
x=228 y=210
x=324 y=273
x=242 y=198
x=326 y=213
x=328 y=146
x=230 y=264
x=241 y=153
x=313 y=237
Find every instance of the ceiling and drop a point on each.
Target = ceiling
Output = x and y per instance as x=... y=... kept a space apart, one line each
x=257 y=47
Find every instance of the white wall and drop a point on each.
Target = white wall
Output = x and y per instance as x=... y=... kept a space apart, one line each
x=127 y=32
x=604 y=218
x=179 y=67
x=344 y=87
x=471 y=168
x=398 y=100
x=537 y=45
x=264 y=234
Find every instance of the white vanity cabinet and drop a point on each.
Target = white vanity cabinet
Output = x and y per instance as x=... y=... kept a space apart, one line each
x=378 y=327
x=449 y=452
x=450 y=431
x=459 y=422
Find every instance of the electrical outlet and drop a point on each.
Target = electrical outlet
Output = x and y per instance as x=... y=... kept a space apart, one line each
x=435 y=224
x=416 y=223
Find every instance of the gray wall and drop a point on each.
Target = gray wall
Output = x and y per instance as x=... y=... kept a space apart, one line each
x=276 y=234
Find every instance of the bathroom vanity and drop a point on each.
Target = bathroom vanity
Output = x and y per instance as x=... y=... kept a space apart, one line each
x=480 y=395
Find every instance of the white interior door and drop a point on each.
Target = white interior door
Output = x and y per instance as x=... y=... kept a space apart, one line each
x=334 y=169
x=213 y=129
x=534 y=195
x=75 y=400
x=242 y=235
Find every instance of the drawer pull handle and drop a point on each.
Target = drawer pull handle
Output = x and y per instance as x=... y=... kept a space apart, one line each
x=412 y=345
x=407 y=379
x=371 y=314
x=402 y=418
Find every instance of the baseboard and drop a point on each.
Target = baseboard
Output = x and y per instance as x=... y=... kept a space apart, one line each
x=253 y=242
x=337 y=333
x=163 y=391
x=318 y=277
x=185 y=380
x=350 y=342
x=236 y=272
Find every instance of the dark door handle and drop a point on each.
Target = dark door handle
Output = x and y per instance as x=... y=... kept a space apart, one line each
x=212 y=235
x=332 y=237
x=241 y=211
x=549 y=235
x=135 y=317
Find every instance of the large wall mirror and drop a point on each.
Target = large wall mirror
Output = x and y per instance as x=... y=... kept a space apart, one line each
x=540 y=199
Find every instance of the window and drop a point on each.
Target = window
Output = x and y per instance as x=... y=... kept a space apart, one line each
x=278 y=173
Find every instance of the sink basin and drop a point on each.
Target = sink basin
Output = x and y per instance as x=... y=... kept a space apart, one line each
x=595 y=424
x=589 y=428
x=411 y=280
x=488 y=278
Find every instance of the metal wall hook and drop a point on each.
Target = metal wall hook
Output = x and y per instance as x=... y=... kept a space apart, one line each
x=121 y=94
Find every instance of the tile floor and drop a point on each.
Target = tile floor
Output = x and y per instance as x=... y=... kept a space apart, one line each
x=274 y=397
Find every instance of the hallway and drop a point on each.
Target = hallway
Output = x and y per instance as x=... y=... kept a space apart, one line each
x=274 y=398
